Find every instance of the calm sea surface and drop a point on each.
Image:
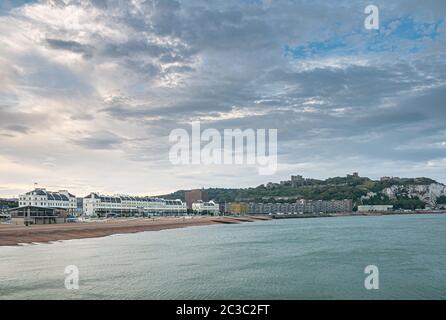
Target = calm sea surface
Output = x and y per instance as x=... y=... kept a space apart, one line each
x=281 y=259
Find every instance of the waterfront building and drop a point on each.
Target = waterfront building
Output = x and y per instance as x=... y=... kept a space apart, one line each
x=331 y=206
x=302 y=207
x=4 y=215
x=124 y=205
x=236 y=208
x=201 y=207
x=80 y=206
x=195 y=196
x=375 y=208
x=27 y=215
x=42 y=198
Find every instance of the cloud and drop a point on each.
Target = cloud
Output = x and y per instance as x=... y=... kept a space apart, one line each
x=105 y=81
x=20 y=122
x=103 y=140
x=18 y=128
x=73 y=46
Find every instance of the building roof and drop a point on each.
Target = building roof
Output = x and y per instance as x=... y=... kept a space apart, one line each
x=121 y=198
x=33 y=208
x=55 y=196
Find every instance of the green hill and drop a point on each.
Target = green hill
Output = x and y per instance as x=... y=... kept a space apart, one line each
x=361 y=190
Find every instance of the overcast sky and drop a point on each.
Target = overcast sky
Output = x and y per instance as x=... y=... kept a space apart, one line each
x=90 y=90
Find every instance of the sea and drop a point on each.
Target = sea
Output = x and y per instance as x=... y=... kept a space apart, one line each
x=358 y=257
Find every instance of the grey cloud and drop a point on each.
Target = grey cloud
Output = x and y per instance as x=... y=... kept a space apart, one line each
x=18 y=128
x=85 y=50
x=103 y=140
x=82 y=116
x=101 y=4
x=132 y=48
x=20 y=122
x=147 y=69
x=52 y=79
x=7 y=135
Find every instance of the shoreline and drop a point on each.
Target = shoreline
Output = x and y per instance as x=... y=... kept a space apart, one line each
x=351 y=214
x=13 y=235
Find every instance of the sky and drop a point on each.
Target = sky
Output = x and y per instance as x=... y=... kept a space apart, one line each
x=91 y=89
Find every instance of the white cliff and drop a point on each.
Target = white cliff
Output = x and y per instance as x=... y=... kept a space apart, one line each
x=426 y=193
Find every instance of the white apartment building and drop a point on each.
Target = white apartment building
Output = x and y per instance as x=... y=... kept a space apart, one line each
x=42 y=198
x=201 y=207
x=124 y=205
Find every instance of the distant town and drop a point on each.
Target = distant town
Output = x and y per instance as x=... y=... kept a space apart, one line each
x=41 y=206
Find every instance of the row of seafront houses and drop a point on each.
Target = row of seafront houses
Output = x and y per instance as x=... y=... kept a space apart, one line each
x=41 y=207
x=100 y=205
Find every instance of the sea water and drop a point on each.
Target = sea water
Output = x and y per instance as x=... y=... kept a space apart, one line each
x=320 y=258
